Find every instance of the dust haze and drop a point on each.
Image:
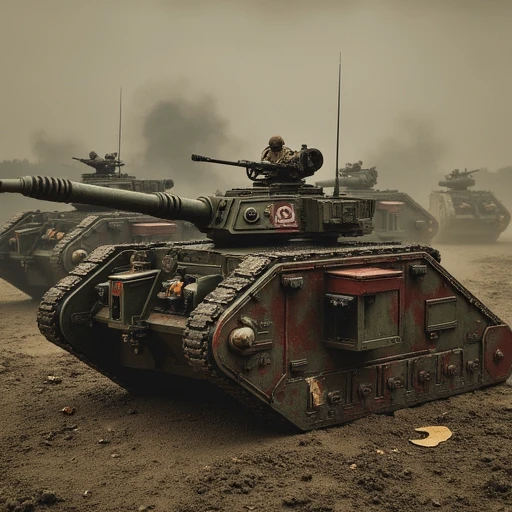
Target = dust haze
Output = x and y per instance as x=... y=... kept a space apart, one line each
x=426 y=85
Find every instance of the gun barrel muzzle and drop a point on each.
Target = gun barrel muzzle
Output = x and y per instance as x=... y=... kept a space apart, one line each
x=199 y=158
x=11 y=185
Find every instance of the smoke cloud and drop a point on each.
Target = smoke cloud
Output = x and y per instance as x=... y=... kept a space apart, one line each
x=54 y=154
x=411 y=159
x=173 y=128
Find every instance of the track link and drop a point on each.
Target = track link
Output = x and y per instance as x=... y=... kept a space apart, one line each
x=69 y=237
x=12 y=222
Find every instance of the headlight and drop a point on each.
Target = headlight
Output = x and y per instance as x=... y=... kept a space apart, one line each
x=78 y=256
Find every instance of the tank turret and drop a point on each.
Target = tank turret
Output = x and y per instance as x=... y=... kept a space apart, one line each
x=279 y=207
x=315 y=331
x=459 y=180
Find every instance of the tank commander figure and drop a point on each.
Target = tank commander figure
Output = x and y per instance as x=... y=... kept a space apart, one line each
x=105 y=165
x=357 y=166
x=112 y=162
x=276 y=152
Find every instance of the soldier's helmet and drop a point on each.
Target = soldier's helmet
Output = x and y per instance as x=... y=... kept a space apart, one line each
x=93 y=155
x=360 y=163
x=276 y=143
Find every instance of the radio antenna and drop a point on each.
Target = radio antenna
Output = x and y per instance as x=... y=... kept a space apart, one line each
x=337 y=177
x=120 y=119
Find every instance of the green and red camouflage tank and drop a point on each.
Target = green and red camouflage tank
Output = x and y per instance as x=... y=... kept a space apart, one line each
x=273 y=307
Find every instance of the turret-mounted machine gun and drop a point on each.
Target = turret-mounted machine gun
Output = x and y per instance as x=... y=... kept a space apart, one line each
x=105 y=165
x=459 y=180
x=304 y=164
x=274 y=308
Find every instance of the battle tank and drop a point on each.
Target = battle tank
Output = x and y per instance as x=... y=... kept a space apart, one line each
x=467 y=215
x=272 y=308
x=397 y=215
x=39 y=248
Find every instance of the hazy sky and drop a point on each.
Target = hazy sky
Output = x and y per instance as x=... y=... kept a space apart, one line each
x=266 y=67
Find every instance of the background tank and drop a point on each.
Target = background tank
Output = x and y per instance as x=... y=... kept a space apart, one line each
x=467 y=215
x=272 y=308
x=39 y=248
x=397 y=215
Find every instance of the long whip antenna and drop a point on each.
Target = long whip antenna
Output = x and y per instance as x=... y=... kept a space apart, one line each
x=337 y=177
x=120 y=119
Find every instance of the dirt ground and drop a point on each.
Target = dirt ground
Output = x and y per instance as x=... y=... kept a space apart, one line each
x=195 y=450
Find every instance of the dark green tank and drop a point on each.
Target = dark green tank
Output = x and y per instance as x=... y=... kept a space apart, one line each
x=397 y=216
x=467 y=215
x=272 y=307
x=39 y=248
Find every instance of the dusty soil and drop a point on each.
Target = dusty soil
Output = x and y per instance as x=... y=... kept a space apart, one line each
x=193 y=451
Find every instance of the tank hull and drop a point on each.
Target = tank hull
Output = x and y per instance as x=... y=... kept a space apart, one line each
x=315 y=336
x=37 y=249
x=468 y=216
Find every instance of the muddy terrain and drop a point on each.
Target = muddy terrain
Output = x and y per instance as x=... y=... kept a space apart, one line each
x=194 y=450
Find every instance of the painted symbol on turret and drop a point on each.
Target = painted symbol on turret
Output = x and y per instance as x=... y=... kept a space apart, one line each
x=282 y=215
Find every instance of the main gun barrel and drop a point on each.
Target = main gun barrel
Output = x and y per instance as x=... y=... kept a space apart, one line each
x=354 y=182
x=158 y=204
x=361 y=181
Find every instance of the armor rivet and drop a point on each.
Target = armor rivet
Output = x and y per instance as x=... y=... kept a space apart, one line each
x=424 y=376
x=473 y=366
x=242 y=338
x=451 y=370
x=364 y=390
x=498 y=356
x=395 y=383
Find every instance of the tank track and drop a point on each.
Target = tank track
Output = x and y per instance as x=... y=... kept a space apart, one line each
x=56 y=257
x=77 y=232
x=49 y=308
x=201 y=323
x=12 y=222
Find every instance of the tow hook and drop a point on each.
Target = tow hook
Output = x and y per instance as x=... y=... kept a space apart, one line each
x=134 y=336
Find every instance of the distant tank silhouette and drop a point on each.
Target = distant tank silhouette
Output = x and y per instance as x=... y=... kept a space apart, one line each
x=467 y=215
